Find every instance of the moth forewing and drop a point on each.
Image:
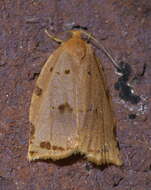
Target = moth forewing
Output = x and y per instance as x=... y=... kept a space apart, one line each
x=70 y=109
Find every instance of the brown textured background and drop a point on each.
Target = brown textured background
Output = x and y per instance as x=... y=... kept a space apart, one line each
x=124 y=27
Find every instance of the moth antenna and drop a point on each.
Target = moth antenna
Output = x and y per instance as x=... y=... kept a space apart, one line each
x=90 y=36
x=53 y=37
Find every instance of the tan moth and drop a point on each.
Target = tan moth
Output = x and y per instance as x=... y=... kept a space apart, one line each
x=70 y=110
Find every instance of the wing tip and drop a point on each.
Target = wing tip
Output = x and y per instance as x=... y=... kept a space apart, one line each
x=104 y=160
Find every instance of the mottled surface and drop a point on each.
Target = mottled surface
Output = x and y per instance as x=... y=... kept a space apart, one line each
x=124 y=27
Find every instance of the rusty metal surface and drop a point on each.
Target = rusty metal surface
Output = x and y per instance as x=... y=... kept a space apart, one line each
x=124 y=27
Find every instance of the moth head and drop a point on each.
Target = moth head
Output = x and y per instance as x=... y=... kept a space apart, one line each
x=82 y=34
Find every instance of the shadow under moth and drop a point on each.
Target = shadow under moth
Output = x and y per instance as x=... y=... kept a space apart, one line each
x=70 y=110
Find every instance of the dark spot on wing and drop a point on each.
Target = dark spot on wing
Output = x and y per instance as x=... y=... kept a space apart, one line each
x=89 y=72
x=51 y=69
x=38 y=91
x=67 y=71
x=32 y=153
x=65 y=108
x=58 y=148
x=58 y=73
x=45 y=144
x=61 y=108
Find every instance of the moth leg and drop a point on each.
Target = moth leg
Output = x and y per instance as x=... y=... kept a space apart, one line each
x=54 y=38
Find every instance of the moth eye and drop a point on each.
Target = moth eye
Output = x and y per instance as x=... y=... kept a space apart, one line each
x=38 y=91
x=67 y=71
x=51 y=69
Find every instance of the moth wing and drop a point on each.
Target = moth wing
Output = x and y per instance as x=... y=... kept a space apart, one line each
x=52 y=113
x=97 y=125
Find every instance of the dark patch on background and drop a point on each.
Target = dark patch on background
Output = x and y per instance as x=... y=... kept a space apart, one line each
x=125 y=91
x=33 y=76
x=132 y=116
x=138 y=77
x=79 y=27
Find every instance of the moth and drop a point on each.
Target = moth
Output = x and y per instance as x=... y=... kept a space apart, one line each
x=71 y=110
